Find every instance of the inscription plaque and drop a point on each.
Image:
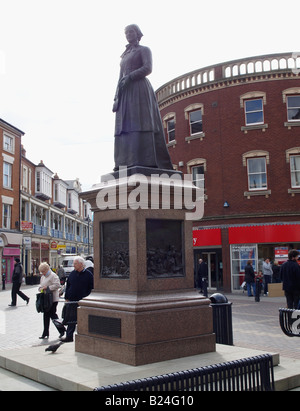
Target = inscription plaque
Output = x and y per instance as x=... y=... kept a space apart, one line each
x=115 y=249
x=165 y=249
x=108 y=326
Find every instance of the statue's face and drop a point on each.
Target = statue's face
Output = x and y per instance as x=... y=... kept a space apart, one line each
x=131 y=35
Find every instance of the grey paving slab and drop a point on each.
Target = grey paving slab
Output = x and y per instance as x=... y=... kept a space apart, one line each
x=255 y=325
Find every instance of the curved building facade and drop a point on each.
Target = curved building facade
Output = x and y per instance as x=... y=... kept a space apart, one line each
x=238 y=125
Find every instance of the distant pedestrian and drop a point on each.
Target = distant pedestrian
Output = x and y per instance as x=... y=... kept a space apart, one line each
x=258 y=284
x=3 y=281
x=276 y=273
x=50 y=281
x=61 y=274
x=89 y=265
x=202 y=275
x=250 y=278
x=290 y=274
x=267 y=273
x=17 y=278
x=79 y=285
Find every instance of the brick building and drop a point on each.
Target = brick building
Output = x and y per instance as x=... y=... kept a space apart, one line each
x=41 y=216
x=237 y=123
x=10 y=236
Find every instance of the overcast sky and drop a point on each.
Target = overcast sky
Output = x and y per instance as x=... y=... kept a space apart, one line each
x=59 y=64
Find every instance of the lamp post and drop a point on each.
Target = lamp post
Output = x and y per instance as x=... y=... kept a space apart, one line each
x=88 y=221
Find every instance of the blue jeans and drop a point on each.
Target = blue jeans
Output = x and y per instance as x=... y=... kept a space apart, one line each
x=249 y=285
x=267 y=280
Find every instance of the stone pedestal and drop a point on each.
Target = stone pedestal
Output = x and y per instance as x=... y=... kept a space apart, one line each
x=144 y=307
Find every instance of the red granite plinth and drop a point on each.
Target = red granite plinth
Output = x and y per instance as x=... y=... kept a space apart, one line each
x=141 y=319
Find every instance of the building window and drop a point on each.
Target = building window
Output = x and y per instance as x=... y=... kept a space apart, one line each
x=240 y=255
x=8 y=143
x=254 y=112
x=257 y=173
x=198 y=176
x=25 y=179
x=171 y=130
x=293 y=108
x=6 y=216
x=295 y=171
x=7 y=173
x=195 y=118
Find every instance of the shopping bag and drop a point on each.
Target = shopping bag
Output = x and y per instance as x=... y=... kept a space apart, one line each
x=44 y=302
x=69 y=313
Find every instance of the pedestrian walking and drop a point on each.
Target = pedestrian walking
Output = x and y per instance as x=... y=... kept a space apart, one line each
x=250 y=278
x=258 y=285
x=17 y=278
x=61 y=274
x=50 y=282
x=267 y=273
x=79 y=285
x=202 y=276
x=290 y=274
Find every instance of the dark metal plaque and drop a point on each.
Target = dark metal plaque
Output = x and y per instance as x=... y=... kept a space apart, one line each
x=108 y=326
x=165 y=248
x=115 y=249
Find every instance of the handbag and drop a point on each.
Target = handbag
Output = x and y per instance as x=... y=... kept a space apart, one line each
x=39 y=303
x=44 y=301
x=69 y=313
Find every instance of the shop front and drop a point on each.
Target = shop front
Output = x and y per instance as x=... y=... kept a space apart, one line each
x=9 y=250
x=227 y=249
x=208 y=247
x=258 y=242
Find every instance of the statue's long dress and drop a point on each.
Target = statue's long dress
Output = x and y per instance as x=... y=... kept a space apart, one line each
x=139 y=134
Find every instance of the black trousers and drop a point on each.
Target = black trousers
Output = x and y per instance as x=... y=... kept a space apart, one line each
x=16 y=291
x=50 y=315
x=292 y=299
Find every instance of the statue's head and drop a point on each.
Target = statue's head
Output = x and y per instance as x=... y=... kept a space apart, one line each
x=137 y=30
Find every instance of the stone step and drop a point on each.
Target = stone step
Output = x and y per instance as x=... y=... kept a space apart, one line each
x=287 y=374
x=10 y=381
x=33 y=369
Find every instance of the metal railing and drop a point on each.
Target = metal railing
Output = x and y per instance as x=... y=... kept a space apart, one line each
x=289 y=323
x=248 y=374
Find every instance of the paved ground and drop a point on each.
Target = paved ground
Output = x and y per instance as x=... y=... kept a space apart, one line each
x=255 y=325
x=21 y=326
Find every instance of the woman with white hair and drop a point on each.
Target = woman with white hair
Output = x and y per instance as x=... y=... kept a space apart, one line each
x=50 y=282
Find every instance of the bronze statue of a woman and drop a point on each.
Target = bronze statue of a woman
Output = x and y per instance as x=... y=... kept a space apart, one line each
x=139 y=134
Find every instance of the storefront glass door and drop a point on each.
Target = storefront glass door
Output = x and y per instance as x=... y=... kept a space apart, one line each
x=210 y=259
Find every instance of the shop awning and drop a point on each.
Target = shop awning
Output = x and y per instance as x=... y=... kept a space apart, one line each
x=207 y=237
x=272 y=233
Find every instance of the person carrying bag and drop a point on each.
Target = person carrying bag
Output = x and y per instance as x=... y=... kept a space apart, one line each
x=44 y=301
x=48 y=299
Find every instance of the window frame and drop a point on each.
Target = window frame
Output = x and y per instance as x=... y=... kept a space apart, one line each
x=246 y=112
x=291 y=120
x=11 y=147
x=198 y=182
x=251 y=189
x=6 y=216
x=294 y=171
x=171 y=131
x=7 y=176
x=195 y=122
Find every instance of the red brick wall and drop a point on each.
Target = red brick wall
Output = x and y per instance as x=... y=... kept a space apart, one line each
x=14 y=191
x=224 y=145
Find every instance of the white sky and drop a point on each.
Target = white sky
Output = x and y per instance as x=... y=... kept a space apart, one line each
x=59 y=64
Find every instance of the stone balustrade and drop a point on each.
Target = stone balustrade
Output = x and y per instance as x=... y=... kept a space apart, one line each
x=251 y=66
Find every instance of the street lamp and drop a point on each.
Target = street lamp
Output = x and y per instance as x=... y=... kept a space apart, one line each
x=88 y=221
